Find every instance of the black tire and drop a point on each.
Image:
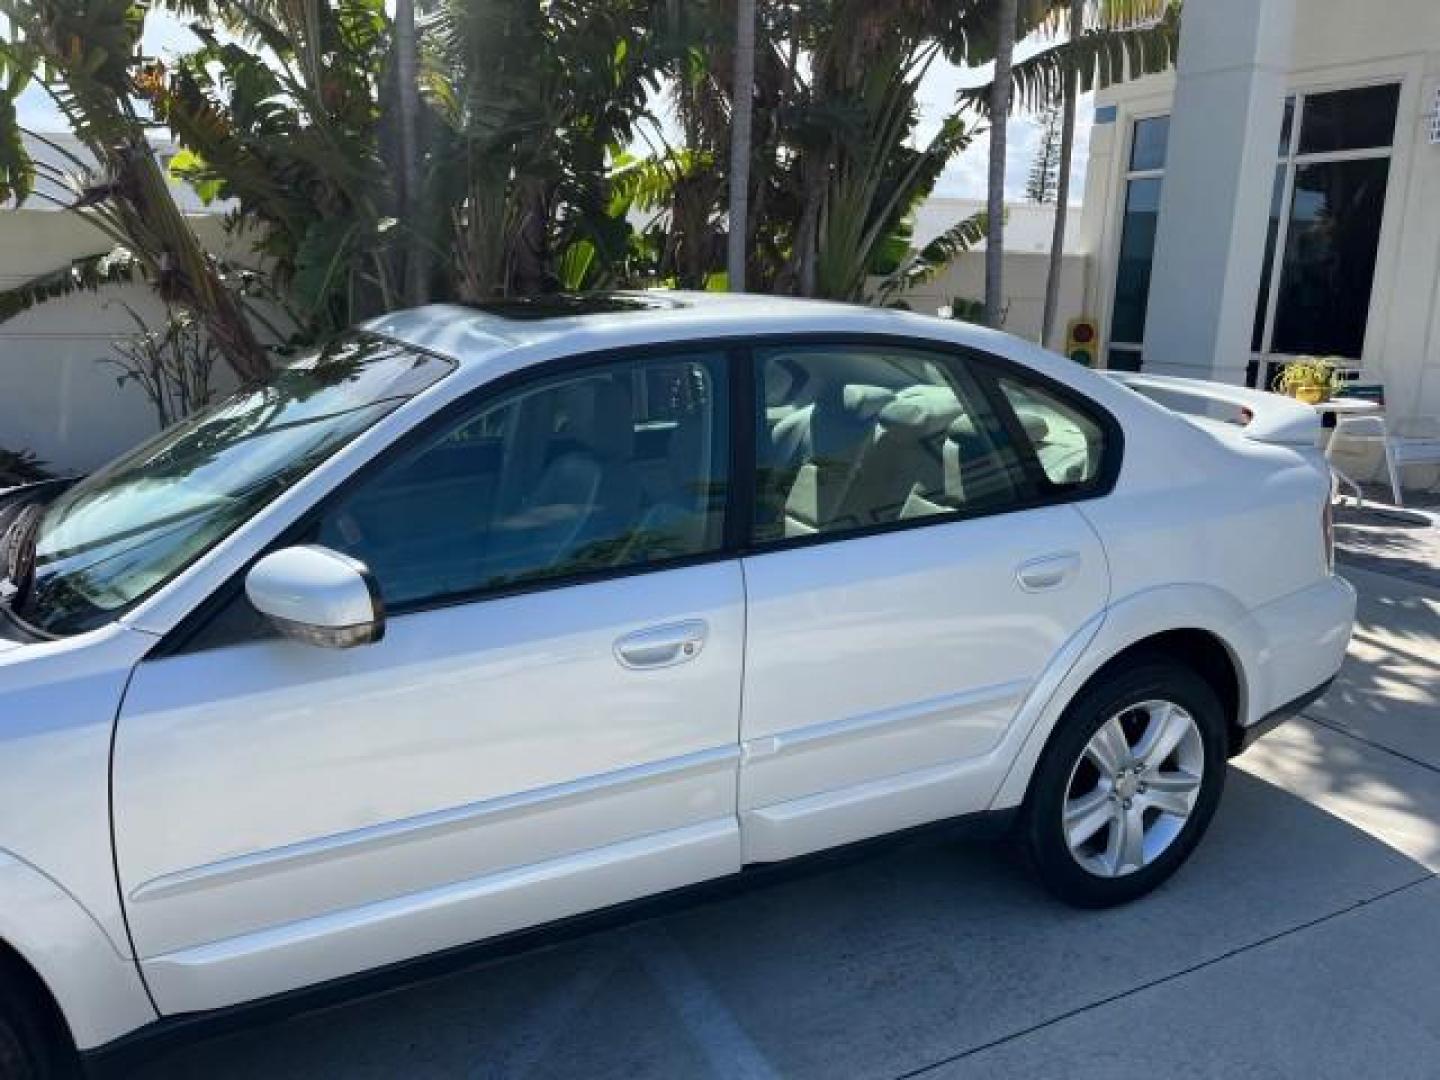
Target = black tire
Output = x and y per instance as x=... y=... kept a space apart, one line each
x=33 y=1042
x=1041 y=828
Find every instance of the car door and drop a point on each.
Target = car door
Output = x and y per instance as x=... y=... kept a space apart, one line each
x=548 y=725
x=912 y=572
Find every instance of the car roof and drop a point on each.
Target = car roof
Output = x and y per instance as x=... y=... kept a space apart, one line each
x=496 y=338
x=473 y=333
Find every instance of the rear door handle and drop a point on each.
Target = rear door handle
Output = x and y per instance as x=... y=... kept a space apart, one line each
x=1047 y=572
x=662 y=646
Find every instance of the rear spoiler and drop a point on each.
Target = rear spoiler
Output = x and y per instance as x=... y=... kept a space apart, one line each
x=1265 y=417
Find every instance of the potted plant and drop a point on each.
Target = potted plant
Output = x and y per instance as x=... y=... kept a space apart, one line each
x=1310 y=379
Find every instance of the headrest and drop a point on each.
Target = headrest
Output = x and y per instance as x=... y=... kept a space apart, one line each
x=961 y=428
x=1034 y=424
x=842 y=417
x=864 y=403
x=919 y=412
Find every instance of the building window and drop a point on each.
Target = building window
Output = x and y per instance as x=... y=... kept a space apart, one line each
x=1323 y=238
x=1144 y=172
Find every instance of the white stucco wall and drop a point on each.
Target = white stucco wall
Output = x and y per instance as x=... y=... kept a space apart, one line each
x=57 y=396
x=1337 y=44
x=1024 y=286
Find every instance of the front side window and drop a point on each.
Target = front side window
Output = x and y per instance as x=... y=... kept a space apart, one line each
x=124 y=531
x=614 y=466
x=856 y=437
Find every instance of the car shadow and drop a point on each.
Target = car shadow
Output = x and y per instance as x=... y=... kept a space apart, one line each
x=870 y=969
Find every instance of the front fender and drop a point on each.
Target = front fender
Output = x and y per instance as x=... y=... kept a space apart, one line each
x=99 y=992
x=1128 y=622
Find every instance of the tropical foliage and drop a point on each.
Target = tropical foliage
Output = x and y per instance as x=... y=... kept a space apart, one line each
x=280 y=118
x=563 y=144
x=86 y=55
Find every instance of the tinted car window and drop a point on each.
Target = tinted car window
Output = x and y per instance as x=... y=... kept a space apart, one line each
x=614 y=466
x=856 y=437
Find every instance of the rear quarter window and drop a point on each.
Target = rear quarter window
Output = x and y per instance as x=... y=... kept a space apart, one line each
x=1069 y=443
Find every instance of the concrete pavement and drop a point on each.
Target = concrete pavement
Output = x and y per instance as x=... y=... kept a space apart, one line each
x=1303 y=939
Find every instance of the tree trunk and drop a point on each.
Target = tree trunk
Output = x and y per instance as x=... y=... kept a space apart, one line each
x=530 y=260
x=807 y=236
x=415 y=288
x=999 y=118
x=1062 y=184
x=228 y=328
x=186 y=275
x=742 y=100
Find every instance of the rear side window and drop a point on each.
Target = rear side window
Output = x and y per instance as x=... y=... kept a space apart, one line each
x=1069 y=444
x=854 y=437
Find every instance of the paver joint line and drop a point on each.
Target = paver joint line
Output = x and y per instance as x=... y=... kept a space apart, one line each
x=1330 y=725
x=1100 y=1003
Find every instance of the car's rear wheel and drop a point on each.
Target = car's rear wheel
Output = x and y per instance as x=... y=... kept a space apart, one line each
x=33 y=1044
x=1128 y=784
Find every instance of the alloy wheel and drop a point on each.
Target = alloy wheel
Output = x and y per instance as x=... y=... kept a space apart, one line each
x=1133 y=788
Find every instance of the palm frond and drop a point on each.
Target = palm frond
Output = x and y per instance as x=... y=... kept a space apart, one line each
x=922 y=265
x=1122 y=14
x=17 y=170
x=1098 y=58
x=85 y=274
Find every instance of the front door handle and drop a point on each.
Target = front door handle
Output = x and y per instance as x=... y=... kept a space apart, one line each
x=662 y=646
x=1047 y=572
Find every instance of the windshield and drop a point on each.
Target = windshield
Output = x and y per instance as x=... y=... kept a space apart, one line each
x=124 y=531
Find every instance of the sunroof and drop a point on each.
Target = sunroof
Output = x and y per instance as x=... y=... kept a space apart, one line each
x=571 y=305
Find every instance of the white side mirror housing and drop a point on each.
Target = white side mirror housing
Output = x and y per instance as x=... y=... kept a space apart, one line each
x=319 y=596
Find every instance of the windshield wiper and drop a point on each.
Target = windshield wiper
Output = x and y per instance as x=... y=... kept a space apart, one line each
x=17 y=554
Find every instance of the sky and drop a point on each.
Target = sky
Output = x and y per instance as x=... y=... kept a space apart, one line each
x=965 y=177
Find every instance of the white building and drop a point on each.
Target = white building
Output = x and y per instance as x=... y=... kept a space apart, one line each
x=1028 y=230
x=1276 y=195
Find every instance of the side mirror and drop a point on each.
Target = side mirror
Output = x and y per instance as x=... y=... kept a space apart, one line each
x=319 y=596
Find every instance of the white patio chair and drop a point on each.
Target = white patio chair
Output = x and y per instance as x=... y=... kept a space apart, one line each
x=1415 y=443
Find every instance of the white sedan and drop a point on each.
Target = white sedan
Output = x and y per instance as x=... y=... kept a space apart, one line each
x=485 y=617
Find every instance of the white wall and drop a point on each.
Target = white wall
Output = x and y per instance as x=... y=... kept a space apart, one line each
x=57 y=396
x=1024 y=278
x=1028 y=226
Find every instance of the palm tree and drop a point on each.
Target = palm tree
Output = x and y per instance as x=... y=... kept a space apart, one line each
x=999 y=118
x=1062 y=181
x=1108 y=15
x=736 y=250
x=534 y=103
x=407 y=110
x=1128 y=39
